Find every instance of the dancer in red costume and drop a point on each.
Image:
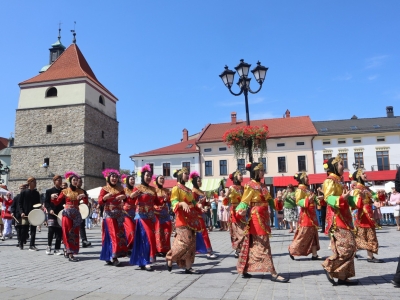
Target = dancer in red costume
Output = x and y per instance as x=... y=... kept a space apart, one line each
x=163 y=226
x=129 y=207
x=236 y=223
x=203 y=243
x=71 y=219
x=113 y=232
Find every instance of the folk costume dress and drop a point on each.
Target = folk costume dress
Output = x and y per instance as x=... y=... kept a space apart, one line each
x=72 y=218
x=6 y=216
x=113 y=238
x=186 y=226
x=144 y=247
x=340 y=227
x=306 y=235
x=365 y=223
x=236 y=223
x=203 y=243
x=163 y=225
x=290 y=211
x=129 y=222
x=255 y=253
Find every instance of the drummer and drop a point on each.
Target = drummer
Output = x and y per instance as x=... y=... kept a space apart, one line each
x=53 y=210
x=28 y=198
x=20 y=223
x=71 y=219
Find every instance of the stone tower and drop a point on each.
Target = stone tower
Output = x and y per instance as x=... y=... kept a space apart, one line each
x=66 y=120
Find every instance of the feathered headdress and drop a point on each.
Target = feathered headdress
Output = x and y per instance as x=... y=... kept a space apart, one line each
x=70 y=174
x=145 y=168
x=107 y=173
x=326 y=164
x=193 y=174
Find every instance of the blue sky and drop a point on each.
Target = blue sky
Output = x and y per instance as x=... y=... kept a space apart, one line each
x=326 y=59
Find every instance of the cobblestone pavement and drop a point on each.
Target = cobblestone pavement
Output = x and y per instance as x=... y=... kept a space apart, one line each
x=35 y=275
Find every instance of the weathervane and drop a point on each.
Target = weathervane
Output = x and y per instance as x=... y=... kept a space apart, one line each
x=74 y=33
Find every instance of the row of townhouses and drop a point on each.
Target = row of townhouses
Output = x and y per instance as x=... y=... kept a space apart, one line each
x=294 y=144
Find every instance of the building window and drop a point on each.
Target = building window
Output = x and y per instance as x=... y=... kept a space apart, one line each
x=49 y=128
x=166 y=169
x=359 y=158
x=152 y=168
x=282 y=164
x=189 y=146
x=280 y=145
x=186 y=164
x=46 y=162
x=241 y=164
x=207 y=150
x=326 y=142
x=327 y=156
x=301 y=162
x=380 y=139
x=356 y=140
x=263 y=160
x=102 y=134
x=51 y=92
x=222 y=149
x=101 y=100
x=341 y=141
x=223 y=167
x=103 y=165
x=300 y=143
x=345 y=161
x=382 y=158
x=208 y=165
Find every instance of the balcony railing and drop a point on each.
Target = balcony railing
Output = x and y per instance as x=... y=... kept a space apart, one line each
x=384 y=167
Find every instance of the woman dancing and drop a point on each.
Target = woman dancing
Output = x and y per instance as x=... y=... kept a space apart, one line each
x=236 y=223
x=71 y=217
x=187 y=224
x=129 y=208
x=255 y=253
x=113 y=231
x=339 y=225
x=163 y=225
x=306 y=239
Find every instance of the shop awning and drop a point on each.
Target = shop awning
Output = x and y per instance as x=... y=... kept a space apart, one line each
x=284 y=181
x=208 y=184
x=381 y=175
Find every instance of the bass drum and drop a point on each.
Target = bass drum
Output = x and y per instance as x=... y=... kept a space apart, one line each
x=59 y=217
x=84 y=210
x=36 y=217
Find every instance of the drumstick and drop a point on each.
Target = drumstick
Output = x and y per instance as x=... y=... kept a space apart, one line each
x=56 y=215
x=16 y=220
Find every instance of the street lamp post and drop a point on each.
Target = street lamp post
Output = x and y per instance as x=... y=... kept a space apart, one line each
x=4 y=171
x=242 y=69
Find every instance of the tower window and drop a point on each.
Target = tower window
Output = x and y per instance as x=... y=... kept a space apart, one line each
x=49 y=128
x=51 y=92
x=46 y=161
x=103 y=165
x=101 y=100
x=102 y=134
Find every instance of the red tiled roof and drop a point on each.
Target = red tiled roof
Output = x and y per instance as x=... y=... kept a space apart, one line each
x=279 y=127
x=179 y=148
x=70 y=64
x=3 y=143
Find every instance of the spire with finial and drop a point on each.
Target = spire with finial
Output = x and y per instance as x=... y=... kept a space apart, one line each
x=74 y=34
x=55 y=51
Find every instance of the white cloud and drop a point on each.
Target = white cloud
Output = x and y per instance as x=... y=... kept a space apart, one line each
x=344 y=77
x=373 y=77
x=375 y=61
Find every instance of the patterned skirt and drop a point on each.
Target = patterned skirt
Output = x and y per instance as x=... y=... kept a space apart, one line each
x=183 y=246
x=237 y=234
x=71 y=222
x=290 y=214
x=304 y=239
x=366 y=239
x=341 y=263
x=255 y=255
x=163 y=230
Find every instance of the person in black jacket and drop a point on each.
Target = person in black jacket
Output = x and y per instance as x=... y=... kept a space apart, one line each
x=53 y=227
x=27 y=199
x=19 y=224
x=82 y=229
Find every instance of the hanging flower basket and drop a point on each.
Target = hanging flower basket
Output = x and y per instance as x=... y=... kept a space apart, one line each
x=239 y=138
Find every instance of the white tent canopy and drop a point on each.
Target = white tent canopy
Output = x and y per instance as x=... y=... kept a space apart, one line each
x=94 y=193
